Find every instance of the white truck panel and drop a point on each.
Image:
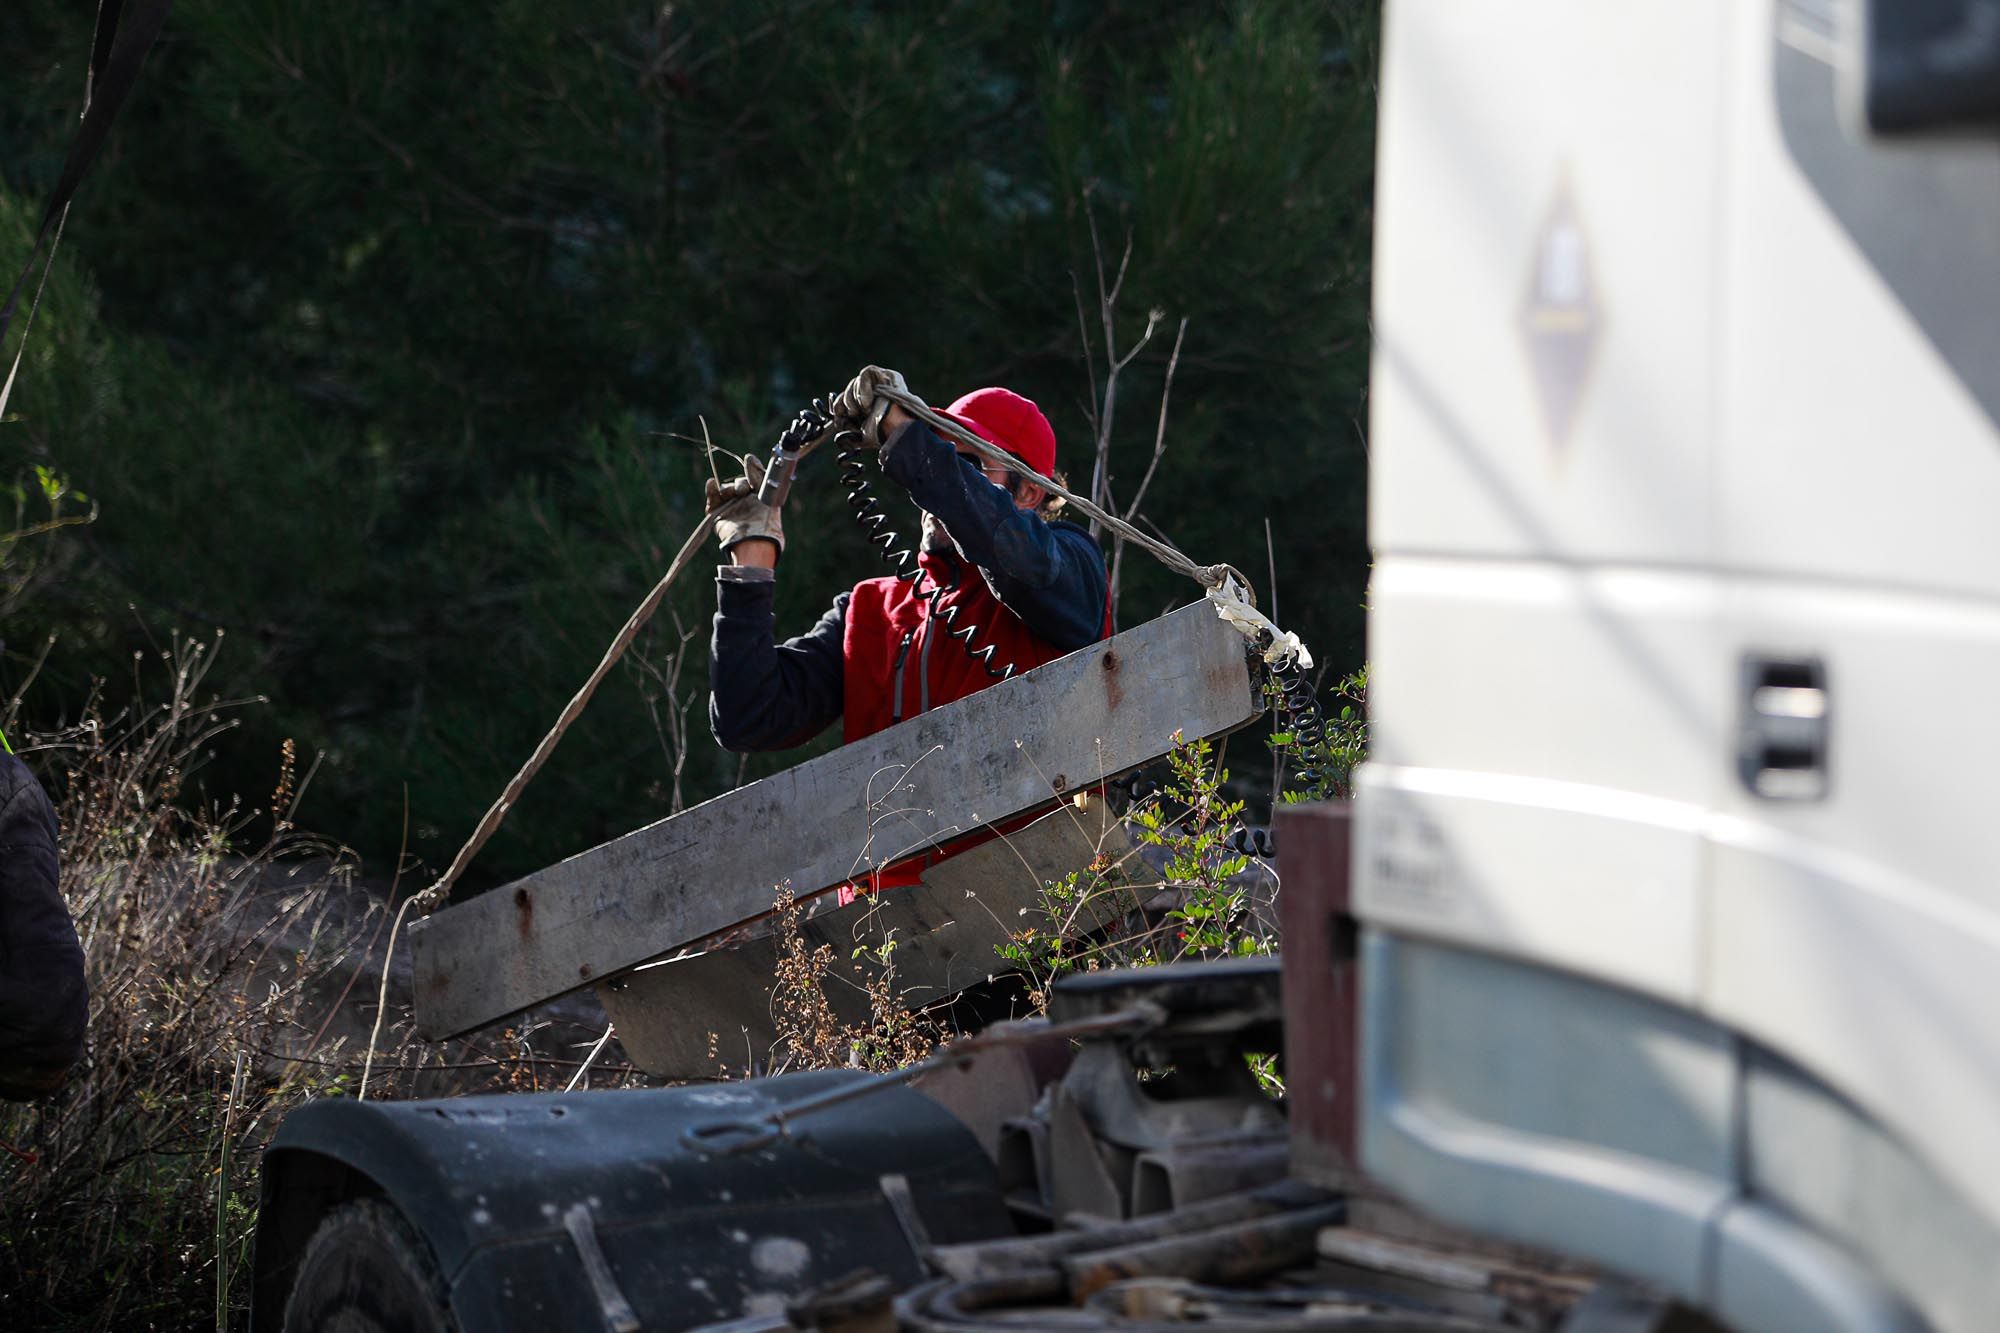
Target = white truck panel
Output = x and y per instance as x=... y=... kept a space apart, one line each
x=1858 y=488
x=1531 y=202
x=1523 y=709
x=1541 y=516
x=1860 y=935
x=1591 y=675
x=1849 y=449
x=1675 y=384
x=1464 y=857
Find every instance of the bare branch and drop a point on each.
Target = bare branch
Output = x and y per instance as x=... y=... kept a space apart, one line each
x=1089 y=362
x=1159 y=449
x=1153 y=318
x=1118 y=283
x=1271 y=559
x=1104 y=298
x=1160 y=431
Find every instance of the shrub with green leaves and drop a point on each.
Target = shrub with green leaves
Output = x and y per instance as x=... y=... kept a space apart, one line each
x=1341 y=746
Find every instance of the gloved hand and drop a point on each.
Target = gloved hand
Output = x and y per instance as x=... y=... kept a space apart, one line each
x=862 y=403
x=737 y=513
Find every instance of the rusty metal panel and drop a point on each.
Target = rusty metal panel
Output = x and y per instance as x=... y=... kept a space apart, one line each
x=1322 y=990
x=980 y=760
x=947 y=932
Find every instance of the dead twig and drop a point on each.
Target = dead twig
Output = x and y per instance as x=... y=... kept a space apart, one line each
x=1159 y=451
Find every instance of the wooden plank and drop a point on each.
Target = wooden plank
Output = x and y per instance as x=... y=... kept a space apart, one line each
x=980 y=760
x=947 y=932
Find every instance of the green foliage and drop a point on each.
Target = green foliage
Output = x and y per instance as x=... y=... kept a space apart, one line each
x=1100 y=917
x=1342 y=743
x=1191 y=821
x=1056 y=941
x=1094 y=917
x=381 y=333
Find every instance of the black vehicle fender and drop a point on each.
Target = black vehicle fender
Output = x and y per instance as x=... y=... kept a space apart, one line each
x=691 y=1233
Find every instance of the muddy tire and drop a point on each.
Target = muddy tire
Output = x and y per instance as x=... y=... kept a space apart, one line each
x=366 y=1270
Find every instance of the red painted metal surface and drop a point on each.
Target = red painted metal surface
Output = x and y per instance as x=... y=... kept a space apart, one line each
x=1322 y=990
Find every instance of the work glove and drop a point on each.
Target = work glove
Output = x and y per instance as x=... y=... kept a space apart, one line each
x=863 y=403
x=737 y=513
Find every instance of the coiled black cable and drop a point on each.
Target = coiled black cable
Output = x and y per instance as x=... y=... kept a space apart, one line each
x=1299 y=713
x=1253 y=840
x=866 y=507
x=812 y=420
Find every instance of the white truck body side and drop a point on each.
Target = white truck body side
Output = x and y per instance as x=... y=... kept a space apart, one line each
x=1683 y=414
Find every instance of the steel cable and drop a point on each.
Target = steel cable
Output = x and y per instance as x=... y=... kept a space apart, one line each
x=1209 y=576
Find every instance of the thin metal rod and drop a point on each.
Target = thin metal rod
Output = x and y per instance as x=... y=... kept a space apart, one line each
x=726 y=1138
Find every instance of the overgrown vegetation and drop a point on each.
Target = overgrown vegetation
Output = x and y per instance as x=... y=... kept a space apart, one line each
x=811 y=1035
x=229 y=956
x=1202 y=893
x=1192 y=898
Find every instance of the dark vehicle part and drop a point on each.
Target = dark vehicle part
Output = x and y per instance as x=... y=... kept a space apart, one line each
x=1156 y=1117
x=44 y=994
x=682 y=1237
x=367 y=1271
x=1928 y=66
x=1238 y=1252
x=729 y=1137
x=1028 y=1253
x=1246 y=1262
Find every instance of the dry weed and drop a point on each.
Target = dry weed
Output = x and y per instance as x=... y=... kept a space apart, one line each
x=225 y=951
x=811 y=1034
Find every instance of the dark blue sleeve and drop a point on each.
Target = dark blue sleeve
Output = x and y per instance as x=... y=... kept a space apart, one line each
x=1049 y=574
x=44 y=998
x=766 y=695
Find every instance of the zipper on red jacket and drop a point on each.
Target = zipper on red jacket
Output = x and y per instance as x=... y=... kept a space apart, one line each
x=924 y=669
x=928 y=626
x=896 y=714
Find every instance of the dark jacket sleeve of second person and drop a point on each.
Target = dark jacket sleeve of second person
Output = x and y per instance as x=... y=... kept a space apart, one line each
x=762 y=694
x=1049 y=574
x=44 y=1002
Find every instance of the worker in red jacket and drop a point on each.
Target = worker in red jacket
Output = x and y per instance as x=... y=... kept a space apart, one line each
x=1032 y=583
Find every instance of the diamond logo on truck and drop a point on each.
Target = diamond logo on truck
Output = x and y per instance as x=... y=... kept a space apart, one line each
x=1560 y=318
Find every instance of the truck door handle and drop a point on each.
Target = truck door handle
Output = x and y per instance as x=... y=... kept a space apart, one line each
x=1782 y=739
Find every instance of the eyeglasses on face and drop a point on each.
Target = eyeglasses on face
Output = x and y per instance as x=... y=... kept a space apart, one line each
x=995 y=472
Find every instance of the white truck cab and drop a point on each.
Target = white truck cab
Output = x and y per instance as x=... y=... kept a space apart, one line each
x=1679 y=848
